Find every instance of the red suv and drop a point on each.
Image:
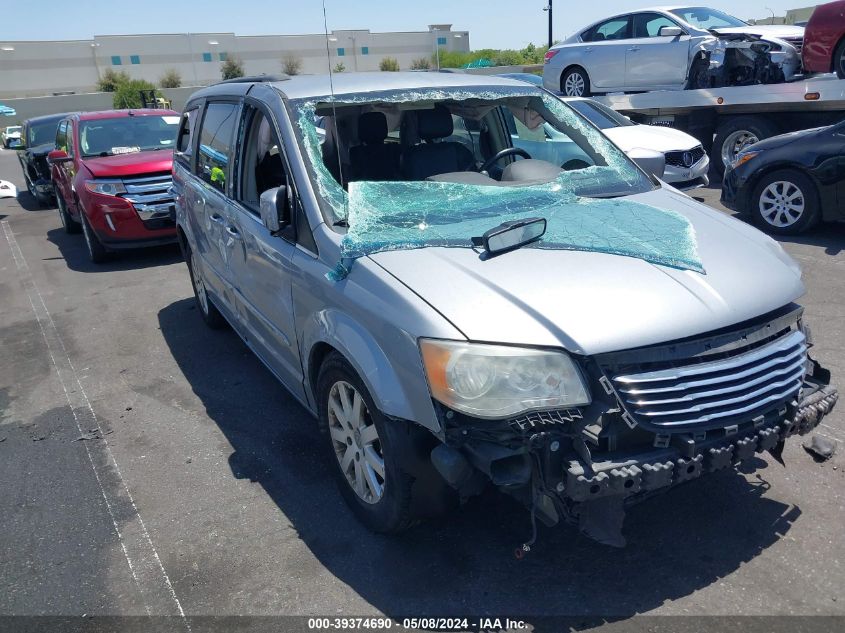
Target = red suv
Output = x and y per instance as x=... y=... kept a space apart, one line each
x=824 y=40
x=112 y=178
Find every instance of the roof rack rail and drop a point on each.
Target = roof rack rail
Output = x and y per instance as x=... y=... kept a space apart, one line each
x=256 y=79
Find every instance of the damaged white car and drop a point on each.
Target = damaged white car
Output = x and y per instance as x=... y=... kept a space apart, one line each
x=672 y=48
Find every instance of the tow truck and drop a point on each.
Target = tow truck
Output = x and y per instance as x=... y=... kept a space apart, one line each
x=729 y=119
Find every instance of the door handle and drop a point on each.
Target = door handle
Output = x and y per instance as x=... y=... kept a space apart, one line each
x=231 y=230
x=216 y=217
x=634 y=48
x=589 y=49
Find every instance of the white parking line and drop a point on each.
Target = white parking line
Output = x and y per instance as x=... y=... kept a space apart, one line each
x=144 y=563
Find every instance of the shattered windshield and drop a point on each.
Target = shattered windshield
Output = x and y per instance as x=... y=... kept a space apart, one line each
x=399 y=170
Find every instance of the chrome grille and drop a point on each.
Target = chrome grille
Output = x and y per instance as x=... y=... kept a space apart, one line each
x=676 y=159
x=151 y=198
x=717 y=392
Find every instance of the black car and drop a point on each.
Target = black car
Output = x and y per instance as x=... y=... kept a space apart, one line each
x=791 y=182
x=38 y=138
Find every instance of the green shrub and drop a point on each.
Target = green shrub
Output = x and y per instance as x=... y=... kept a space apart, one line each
x=111 y=79
x=170 y=79
x=128 y=93
x=339 y=68
x=292 y=65
x=232 y=68
x=421 y=64
x=390 y=64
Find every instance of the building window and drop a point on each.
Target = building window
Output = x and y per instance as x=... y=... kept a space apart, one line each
x=135 y=59
x=224 y=57
x=365 y=50
x=441 y=41
x=206 y=57
x=115 y=60
x=341 y=52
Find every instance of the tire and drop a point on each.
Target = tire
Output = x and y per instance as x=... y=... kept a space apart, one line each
x=734 y=135
x=97 y=253
x=573 y=79
x=68 y=223
x=839 y=60
x=208 y=311
x=386 y=505
x=785 y=202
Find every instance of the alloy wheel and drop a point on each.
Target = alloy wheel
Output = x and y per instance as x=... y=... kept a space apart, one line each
x=781 y=203
x=574 y=85
x=356 y=442
x=841 y=63
x=735 y=143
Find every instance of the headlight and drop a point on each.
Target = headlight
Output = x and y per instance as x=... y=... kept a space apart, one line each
x=743 y=158
x=496 y=381
x=105 y=187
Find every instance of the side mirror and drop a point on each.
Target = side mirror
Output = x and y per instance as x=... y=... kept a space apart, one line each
x=58 y=156
x=275 y=208
x=670 y=31
x=650 y=161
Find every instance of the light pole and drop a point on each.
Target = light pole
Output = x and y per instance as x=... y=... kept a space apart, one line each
x=354 y=52
x=193 y=61
x=436 y=48
x=548 y=8
x=773 y=14
x=94 y=47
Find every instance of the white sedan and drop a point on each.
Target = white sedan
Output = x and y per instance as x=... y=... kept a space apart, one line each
x=687 y=163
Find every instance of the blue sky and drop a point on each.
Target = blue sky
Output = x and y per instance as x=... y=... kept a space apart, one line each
x=491 y=23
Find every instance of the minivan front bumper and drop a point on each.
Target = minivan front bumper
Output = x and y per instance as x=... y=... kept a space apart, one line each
x=661 y=416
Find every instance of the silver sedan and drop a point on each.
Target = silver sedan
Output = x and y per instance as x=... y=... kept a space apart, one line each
x=671 y=49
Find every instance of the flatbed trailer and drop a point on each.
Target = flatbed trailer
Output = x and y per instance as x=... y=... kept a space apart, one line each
x=726 y=120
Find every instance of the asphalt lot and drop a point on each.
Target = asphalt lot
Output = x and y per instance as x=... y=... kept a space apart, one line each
x=150 y=465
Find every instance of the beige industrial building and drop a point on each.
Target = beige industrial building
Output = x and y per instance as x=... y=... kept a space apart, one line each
x=36 y=68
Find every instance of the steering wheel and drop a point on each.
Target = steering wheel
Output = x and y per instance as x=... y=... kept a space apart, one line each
x=501 y=154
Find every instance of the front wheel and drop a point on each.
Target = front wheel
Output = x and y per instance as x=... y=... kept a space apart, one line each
x=367 y=449
x=575 y=83
x=735 y=136
x=97 y=253
x=209 y=312
x=68 y=223
x=785 y=202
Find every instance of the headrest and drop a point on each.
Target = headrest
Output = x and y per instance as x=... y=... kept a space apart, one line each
x=436 y=123
x=372 y=127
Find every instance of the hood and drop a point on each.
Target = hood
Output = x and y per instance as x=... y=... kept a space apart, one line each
x=135 y=164
x=591 y=303
x=41 y=150
x=778 y=31
x=658 y=138
x=784 y=139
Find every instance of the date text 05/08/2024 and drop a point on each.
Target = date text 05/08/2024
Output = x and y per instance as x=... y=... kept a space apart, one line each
x=474 y=625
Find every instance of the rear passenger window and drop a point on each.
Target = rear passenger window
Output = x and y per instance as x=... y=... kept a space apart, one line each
x=185 y=139
x=216 y=139
x=615 y=29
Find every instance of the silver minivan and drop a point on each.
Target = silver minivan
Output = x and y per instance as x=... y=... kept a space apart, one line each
x=457 y=313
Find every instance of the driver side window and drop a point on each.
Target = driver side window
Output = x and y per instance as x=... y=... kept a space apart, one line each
x=262 y=165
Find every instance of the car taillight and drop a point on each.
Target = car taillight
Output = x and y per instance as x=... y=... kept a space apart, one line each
x=549 y=54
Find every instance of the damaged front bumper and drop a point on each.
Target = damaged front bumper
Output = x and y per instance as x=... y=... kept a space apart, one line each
x=741 y=60
x=586 y=466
